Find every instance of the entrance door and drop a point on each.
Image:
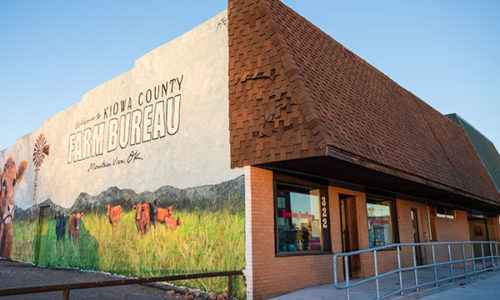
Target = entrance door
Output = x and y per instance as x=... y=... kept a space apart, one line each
x=416 y=235
x=349 y=227
x=478 y=231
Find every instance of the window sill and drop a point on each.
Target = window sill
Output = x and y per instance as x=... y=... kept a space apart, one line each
x=304 y=253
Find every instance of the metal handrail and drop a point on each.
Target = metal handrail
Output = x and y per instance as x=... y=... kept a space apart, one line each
x=65 y=288
x=494 y=259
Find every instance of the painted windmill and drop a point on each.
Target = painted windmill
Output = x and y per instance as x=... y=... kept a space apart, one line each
x=39 y=153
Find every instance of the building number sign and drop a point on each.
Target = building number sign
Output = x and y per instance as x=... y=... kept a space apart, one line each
x=324 y=214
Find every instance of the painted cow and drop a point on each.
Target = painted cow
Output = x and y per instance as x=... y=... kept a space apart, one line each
x=74 y=226
x=9 y=178
x=172 y=224
x=164 y=213
x=142 y=221
x=153 y=212
x=60 y=226
x=113 y=213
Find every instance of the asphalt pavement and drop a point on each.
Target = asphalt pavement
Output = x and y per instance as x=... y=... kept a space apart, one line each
x=16 y=274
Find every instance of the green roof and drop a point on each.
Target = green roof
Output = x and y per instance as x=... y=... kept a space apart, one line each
x=484 y=148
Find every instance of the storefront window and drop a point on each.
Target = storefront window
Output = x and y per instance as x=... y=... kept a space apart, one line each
x=301 y=219
x=381 y=229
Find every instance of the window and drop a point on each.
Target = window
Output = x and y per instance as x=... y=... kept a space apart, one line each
x=443 y=212
x=301 y=219
x=381 y=228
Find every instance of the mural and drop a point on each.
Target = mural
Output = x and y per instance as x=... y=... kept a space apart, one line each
x=9 y=177
x=135 y=179
x=39 y=153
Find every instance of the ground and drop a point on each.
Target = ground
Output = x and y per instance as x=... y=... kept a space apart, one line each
x=484 y=289
x=15 y=274
x=485 y=286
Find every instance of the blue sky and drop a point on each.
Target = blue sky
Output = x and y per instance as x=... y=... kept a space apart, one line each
x=445 y=52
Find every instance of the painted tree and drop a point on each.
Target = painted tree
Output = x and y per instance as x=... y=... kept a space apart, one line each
x=39 y=152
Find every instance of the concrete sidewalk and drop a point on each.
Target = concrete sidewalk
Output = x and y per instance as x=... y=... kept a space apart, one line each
x=485 y=286
x=484 y=289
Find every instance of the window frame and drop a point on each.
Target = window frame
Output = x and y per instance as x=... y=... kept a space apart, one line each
x=371 y=198
x=446 y=213
x=293 y=182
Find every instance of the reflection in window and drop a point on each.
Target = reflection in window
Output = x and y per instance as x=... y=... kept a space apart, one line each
x=299 y=218
x=380 y=222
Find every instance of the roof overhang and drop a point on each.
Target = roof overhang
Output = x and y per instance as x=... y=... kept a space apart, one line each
x=338 y=165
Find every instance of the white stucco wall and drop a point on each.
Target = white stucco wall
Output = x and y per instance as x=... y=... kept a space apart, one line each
x=194 y=66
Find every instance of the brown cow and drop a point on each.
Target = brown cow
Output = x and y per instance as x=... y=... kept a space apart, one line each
x=114 y=212
x=8 y=179
x=164 y=213
x=171 y=223
x=142 y=220
x=74 y=227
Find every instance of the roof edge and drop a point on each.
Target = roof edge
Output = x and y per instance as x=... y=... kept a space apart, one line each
x=332 y=151
x=462 y=120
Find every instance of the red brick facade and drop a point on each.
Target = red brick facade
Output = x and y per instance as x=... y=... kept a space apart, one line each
x=270 y=275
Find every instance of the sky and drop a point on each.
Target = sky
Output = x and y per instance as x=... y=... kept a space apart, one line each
x=52 y=52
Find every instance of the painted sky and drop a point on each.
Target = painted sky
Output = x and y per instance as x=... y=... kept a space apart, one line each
x=445 y=52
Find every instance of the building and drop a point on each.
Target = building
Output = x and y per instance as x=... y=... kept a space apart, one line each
x=336 y=126
x=484 y=148
x=266 y=143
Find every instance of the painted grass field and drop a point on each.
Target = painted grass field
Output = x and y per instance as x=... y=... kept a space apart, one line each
x=206 y=241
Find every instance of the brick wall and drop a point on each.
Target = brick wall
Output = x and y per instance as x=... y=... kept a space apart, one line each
x=452 y=230
x=447 y=230
x=405 y=226
x=494 y=228
x=270 y=275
